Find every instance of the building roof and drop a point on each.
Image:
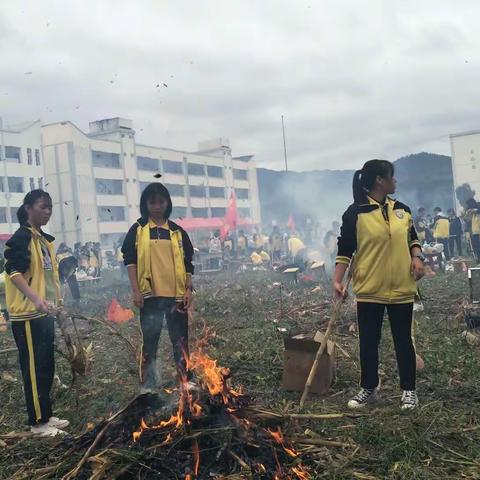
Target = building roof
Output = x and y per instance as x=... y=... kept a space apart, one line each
x=20 y=127
x=465 y=134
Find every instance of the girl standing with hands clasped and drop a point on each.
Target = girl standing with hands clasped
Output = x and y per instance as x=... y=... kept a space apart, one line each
x=388 y=260
x=158 y=254
x=32 y=289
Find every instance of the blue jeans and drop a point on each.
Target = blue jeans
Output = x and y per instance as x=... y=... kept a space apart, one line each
x=152 y=315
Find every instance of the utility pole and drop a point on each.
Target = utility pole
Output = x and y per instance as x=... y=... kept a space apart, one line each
x=284 y=145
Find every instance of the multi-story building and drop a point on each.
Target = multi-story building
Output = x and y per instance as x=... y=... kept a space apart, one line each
x=96 y=179
x=465 y=148
x=21 y=169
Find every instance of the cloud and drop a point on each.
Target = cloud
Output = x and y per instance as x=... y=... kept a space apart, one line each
x=355 y=80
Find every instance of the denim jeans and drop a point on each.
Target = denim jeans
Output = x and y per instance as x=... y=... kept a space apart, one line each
x=152 y=316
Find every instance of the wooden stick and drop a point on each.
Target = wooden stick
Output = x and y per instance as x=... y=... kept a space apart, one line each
x=9 y=350
x=331 y=323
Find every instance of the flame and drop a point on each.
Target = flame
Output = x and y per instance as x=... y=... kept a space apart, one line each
x=138 y=433
x=196 y=457
x=278 y=437
x=301 y=472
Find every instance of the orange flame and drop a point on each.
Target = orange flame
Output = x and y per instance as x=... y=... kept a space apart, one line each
x=196 y=457
x=278 y=437
x=301 y=472
x=138 y=433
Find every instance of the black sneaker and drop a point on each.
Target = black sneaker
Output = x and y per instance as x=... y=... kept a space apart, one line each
x=364 y=396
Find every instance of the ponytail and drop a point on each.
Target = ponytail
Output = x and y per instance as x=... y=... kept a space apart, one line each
x=364 y=179
x=30 y=199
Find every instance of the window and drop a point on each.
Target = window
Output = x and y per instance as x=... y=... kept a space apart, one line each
x=172 y=167
x=197 y=191
x=143 y=185
x=239 y=174
x=148 y=164
x=175 y=190
x=29 y=156
x=105 y=159
x=37 y=157
x=40 y=183
x=3 y=214
x=12 y=154
x=32 y=183
x=217 y=192
x=2 y=184
x=200 y=212
x=179 y=212
x=242 y=193
x=111 y=214
x=216 y=172
x=108 y=187
x=244 y=212
x=15 y=184
x=218 y=212
x=196 y=169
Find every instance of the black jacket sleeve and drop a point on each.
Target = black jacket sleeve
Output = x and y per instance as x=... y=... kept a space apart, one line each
x=347 y=241
x=17 y=253
x=188 y=252
x=129 y=249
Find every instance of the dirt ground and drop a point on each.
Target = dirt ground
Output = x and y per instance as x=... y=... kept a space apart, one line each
x=250 y=316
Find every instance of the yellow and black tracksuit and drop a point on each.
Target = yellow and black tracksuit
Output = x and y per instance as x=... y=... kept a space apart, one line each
x=163 y=256
x=381 y=237
x=441 y=233
x=473 y=218
x=31 y=253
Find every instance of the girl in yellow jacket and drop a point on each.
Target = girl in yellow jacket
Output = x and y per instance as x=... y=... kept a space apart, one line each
x=32 y=288
x=379 y=231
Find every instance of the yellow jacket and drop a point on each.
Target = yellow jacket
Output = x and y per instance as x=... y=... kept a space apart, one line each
x=295 y=245
x=441 y=228
x=24 y=256
x=381 y=270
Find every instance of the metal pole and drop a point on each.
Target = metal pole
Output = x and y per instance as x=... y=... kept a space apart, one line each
x=284 y=145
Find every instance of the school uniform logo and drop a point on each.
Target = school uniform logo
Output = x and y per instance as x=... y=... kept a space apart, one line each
x=399 y=214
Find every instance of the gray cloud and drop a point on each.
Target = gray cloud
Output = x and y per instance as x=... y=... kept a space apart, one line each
x=354 y=80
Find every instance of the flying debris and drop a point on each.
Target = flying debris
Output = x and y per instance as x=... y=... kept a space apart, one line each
x=165 y=85
x=78 y=216
x=28 y=73
x=158 y=175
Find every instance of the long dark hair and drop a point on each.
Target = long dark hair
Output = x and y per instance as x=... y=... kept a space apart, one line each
x=30 y=199
x=151 y=191
x=364 y=179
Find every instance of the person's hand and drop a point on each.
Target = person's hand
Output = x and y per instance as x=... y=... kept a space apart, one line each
x=188 y=299
x=339 y=290
x=417 y=268
x=41 y=305
x=138 y=299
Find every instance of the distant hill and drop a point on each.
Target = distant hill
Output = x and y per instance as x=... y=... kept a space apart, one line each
x=424 y=179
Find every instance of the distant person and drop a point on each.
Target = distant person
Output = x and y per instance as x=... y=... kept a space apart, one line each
x=215 y=244
x=421 y=224
x=456 y=232
x=67 y=267
x=276 y=244
x=379 y=231
x=473 y=216
x=159 y=256
x=242 y=244
x=296 y=248
x=441 y=231
x=330 y=241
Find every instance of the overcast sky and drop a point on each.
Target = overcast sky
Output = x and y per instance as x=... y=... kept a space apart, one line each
x=354 y=79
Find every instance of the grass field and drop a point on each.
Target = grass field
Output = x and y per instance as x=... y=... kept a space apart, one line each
x=441 y=440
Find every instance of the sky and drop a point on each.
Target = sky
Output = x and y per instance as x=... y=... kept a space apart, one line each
x=355 y=80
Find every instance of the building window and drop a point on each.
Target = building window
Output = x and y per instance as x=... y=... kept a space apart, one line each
x=143 y=185
x=12 y=154
x=3 y=214
x=15 y=184
x=40 y=183
x=200 y=212
x=196 y=169
x=148 y=164
x=215 y=172
x=197 y=191
x=105 y=159
x=29 y=156
x=32 y=183
x=175 y=190
x=2 y=184
x=111 y=214
x=172 y=167
x=217 y=192
x=244 y=212
x=108 y=187
x=179 y=212
x=37 y=157
x=242 y=193
x=218 y=212
x=239 y=174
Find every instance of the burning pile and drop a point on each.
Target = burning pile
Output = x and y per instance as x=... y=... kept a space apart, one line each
x=214 y=432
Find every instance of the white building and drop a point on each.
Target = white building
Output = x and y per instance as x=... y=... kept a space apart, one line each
x=21 y=169
x=96 y=179
x=465 y=148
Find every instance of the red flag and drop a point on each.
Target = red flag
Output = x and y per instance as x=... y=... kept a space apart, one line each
x=231 y=217
x=291 y=222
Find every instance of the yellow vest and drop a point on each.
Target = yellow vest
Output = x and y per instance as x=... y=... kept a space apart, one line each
x=295 y=245
x=441 y=229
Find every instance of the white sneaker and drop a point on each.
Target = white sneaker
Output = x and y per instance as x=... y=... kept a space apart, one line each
x=58 y=423
x=409 y=400
x=46 y=430
x=361 y=399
